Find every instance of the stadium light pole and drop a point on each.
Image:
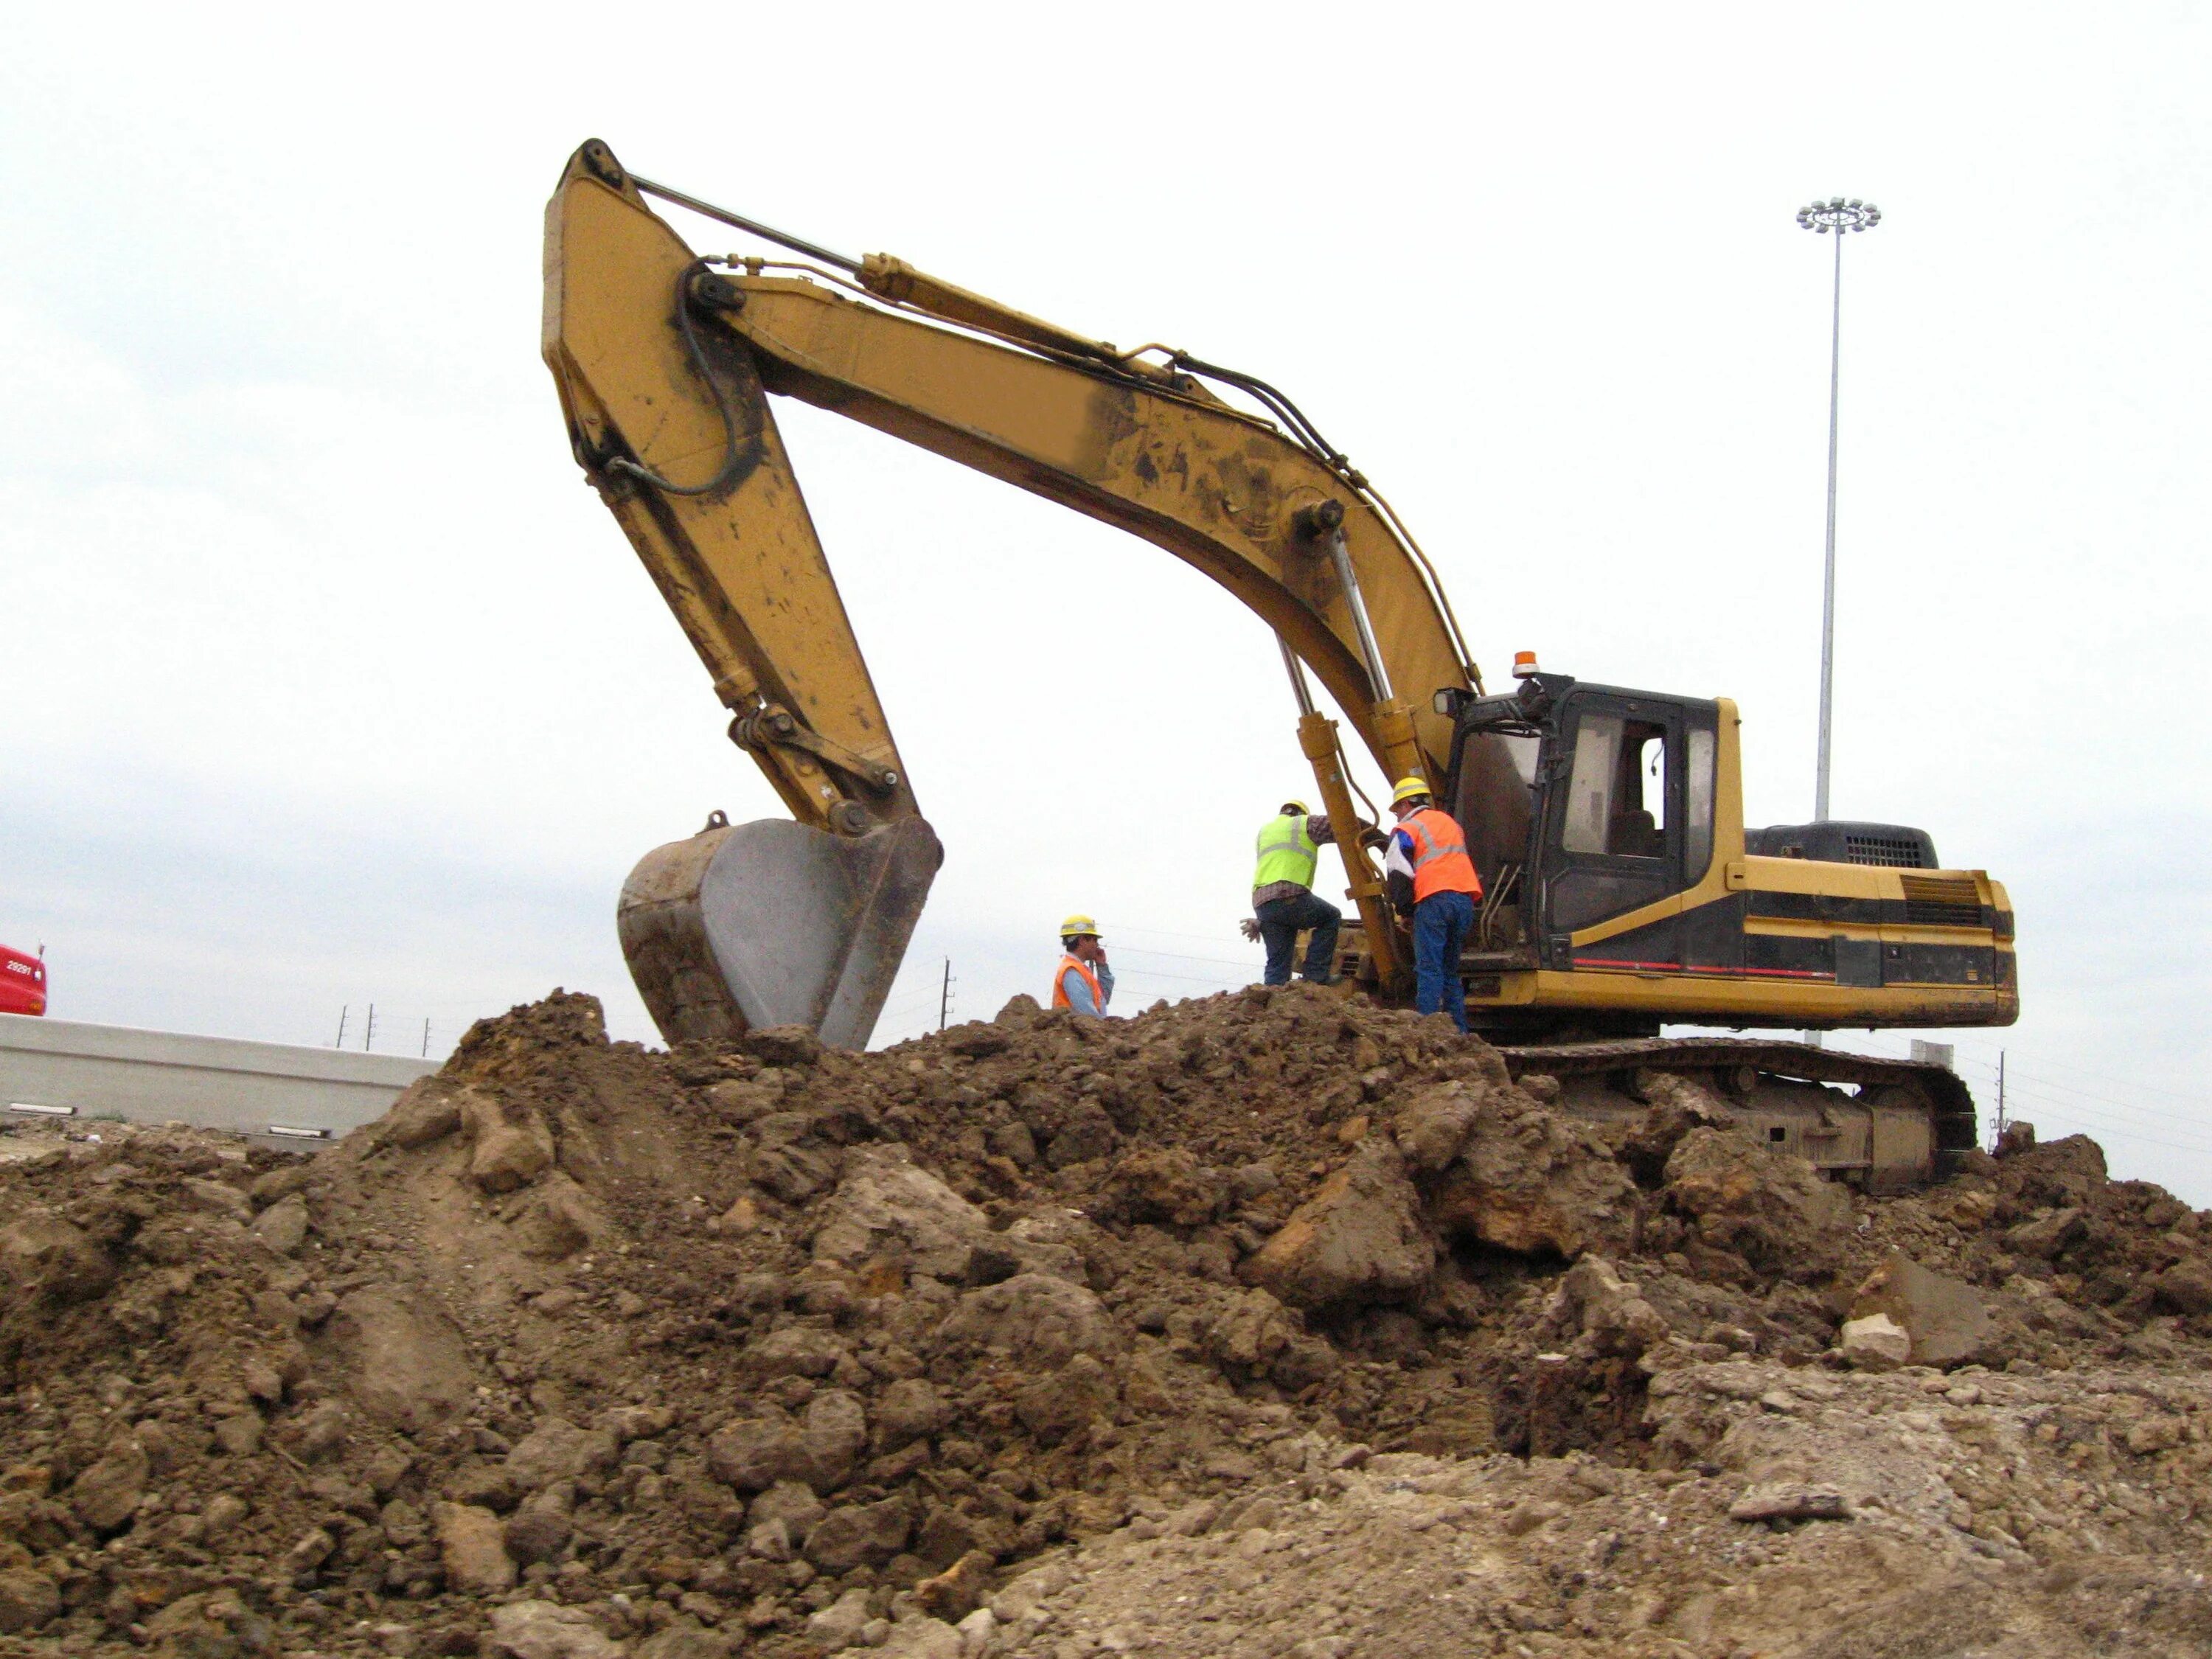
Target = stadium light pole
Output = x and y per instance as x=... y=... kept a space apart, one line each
x=1837 y=216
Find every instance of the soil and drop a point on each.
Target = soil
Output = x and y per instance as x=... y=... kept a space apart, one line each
x=1269 y=1324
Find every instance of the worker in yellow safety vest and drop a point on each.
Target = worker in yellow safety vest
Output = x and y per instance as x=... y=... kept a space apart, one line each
x=1083 y=983
x=1283 y=903
x=1429 y=876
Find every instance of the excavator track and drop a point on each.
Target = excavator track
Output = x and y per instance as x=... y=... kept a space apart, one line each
x=1905 y=1124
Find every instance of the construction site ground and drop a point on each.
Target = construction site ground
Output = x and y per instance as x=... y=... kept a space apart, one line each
x=1272 y=1324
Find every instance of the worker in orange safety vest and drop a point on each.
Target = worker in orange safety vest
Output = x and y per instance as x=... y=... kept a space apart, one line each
x=1081 y=983
x=1429 y=876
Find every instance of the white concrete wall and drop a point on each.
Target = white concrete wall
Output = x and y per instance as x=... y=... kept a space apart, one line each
x=214 y=1083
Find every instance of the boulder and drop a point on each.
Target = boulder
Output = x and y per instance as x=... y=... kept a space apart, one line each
x=1944 y=1317
x=1790 y=1501
x=1041 y=1319
x=954 y=1593
x=1087 y=1134
x=924 y=1638
x=756 y=1452
x=1675 y=1106
x=472 y=1544
x=1162 y=1183
x=790 y=1505
x=1358 y=1238
x=1534 y=1182
x=832 y=1436
x=817 y=1450
x=43 y=1255
x=1877 y=1342
x=839 y=1623
x=557 y=1219
x=1432 y=1126
x=427 y=1112
x=546 y=1629
x=785 y=1164
x=1612 y=1317
x=783 y=1045
x=685 y=1641
x=858 y=1535
x=1772 y=1208
x=28 y=1599
x=947 y=1534
x=219 y=1198
x=2068 y=1171
x=510 y=1156
x=106 y=1496
x=211 y=1625
x=795 y=1351
x=537 y=1531
x=284 y=1225
x=409 y=1365
x=2186 y=1287
x=976 y=1040
x=1057 y=1403
x=885 y=1206
x=556 y=1450
x=908 y=1410
x=321 y=1431
x=309 y=1552
x=2045 y=1235
x=978 y=1630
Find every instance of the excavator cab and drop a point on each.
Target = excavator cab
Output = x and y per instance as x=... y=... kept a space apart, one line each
x=1622 y=890
x=1620 y=816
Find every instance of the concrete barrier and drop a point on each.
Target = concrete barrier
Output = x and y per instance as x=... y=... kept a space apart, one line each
x=63 y=1069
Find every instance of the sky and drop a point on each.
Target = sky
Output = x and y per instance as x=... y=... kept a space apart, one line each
x=329 y=683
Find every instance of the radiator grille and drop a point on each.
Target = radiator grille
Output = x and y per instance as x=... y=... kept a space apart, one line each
x=1941 y=900
x=1892 y=851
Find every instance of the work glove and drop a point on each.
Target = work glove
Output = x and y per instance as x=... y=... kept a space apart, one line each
x=1375 y=839
x=1250 y=928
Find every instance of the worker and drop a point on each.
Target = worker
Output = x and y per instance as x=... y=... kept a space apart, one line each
x=1083 y=982
x=1283 y=903
x=1429 y=877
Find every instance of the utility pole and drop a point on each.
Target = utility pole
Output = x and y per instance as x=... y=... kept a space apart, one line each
x=1838 y=215
x=426 y=1039
x=944 y=996
x=1997 y=1139
x=340 y=1041
x=369 y=1035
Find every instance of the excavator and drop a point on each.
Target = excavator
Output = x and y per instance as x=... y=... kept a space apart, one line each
x=1621 y=889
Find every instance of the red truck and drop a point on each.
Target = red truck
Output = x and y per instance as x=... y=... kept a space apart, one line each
x=22 y=983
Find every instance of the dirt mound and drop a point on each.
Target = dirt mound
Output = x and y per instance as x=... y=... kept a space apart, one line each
x=585 y=1349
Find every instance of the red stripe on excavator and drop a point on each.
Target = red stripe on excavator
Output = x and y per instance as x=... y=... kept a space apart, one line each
x=1677 y=967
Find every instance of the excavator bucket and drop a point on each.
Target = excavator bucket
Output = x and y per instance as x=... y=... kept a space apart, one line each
x=775 y=923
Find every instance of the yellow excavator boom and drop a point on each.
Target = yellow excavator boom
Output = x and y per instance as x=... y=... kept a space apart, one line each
x=663 y=361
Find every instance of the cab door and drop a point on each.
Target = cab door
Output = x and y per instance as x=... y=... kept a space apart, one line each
x=1613 y=827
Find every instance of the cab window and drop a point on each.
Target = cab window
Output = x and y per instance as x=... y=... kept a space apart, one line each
x=1617 y=789
x=1699 y=850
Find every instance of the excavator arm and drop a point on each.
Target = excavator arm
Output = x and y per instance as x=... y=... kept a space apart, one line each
x=665 y=362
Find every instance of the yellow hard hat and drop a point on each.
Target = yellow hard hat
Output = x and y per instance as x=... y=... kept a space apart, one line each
x=1407 y=788
x=1296 y=806
x=1079 y=927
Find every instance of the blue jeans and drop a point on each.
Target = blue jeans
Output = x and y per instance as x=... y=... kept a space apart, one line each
x=1281 y=922
x=1440 y=924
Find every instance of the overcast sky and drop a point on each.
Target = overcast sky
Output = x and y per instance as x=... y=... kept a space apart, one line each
x=328 y=681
